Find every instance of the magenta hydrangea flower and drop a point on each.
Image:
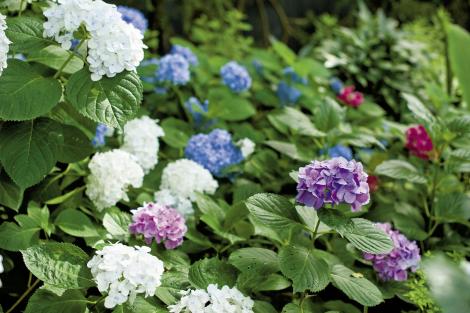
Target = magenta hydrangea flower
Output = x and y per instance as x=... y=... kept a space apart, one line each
x=394 y=265
x=350 y=97
x=163 y=223
x=333 y=181
x=418 y=142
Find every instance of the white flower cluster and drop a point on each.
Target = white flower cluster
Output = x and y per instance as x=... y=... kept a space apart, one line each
x=246 y=146
x=167 y=198
x=1 y=268
x=141 y=140
x=14 y=5
x=123 y=272
x=184 y=178
x=4 y=44
x=114 y=45
x=225 y=300
x=111 y=175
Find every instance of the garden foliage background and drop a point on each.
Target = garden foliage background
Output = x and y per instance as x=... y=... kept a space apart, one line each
x=96 y=138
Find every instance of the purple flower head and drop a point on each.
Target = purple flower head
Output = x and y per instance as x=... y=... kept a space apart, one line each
x=235 y=76
x=394 y=265
x=163 y=223
x=185 y=53
x=333 y=181
x=134 y=17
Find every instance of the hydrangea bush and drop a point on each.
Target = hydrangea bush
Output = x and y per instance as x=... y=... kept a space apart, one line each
x=219 y=179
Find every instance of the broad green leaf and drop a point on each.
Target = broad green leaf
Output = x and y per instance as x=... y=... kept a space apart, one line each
x=366 y=237
x=227 y=106
x=257 y=260
x=11 y=195
x=306 y=270
x=459 y=49
x=272 y=282
x=140 y=305
x=296 y=121
x=176 y=132
x=286 y=148
x=328 y=115
x=16 y=238
x=75 y=147
x=355 y=287
x=117 y=223
x=263 y=307
x=399 y=169
x=283 y=51
x=55 y=57
x=75 y=223
x=454 y=207
x=45 y=301
x=417 y=107
x=273 y=210
x=25 y=93
x=61 y=265
x=26 y=34
x=111 y=101
x=41 y=217
x=212 y=271
x=28 y=150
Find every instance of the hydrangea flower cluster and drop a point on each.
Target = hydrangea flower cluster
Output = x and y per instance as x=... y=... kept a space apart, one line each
x=102 y=131
x=167 y=198
x=163 y=223
x=340 y=151
x=123 y=272
x=197 y=109
x=15 y=5
x=215 y=151
x=235 y=76
x=4 y=44
x=336 y=85
x=419 y=142
x=291 y=75
x=214 y=300
x=134 y=17
x=185 y=53
x=112 y=173
x=394 y=265
x=1 y=269
x=247 y=147
x=351 y=97
x=333 y=181
x=141 y=140
x=114 y=45
x=173 y=68
x=286 y=92
x=184 y=178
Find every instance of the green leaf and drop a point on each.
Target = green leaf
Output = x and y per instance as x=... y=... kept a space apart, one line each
x=54 y=57
x=459 y=49
x=61 y=265
x=366 y=237
x=11 y=195
x=306 y=270
x=257 y=260
x=41 y=217
x=117 y=223
x=75 y=223
x=273 y=210
x=454 y=207
x=296 y=121
x=272 y=282
x=140 y=305
x=286 y=148
x=227 y=106
x=417 y=107
x=176 y=132
x=263 y=307
x=26 y=34
x=399 y=169
x=15 y=238
x=25 y=93
x=28 y=150
x=283 y=51
x=111 y=101
x=45 y=301
x=75 y=147
x=355 y=287
x=212 y=271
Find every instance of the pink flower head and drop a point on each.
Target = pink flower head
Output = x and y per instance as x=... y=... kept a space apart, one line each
x=418 y=142
x=163 y=223
x=350 y=97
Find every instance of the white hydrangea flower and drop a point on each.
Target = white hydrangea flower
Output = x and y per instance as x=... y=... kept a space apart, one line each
x=1 y=269
x=14 y=5
x=4 y=44
x=167 y=198
x=111 y=175
x=114 y=45
x=215 y=300
x=123 y=272
x=184 y=178
x=141 y=140
x=246 y=146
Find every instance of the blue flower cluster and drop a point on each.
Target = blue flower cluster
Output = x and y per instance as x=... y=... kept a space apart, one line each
x=291 y=75
x=185 y=53
x=214 y=151
x=197 y=109
x=286 y=92
x=336 y=85
x=235 y=76
x=100 y=135
x=173 y=68
x=134 y=17
x=340 y=151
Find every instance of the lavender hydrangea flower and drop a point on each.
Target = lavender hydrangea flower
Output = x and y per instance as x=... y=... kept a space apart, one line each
x=185 y=53
x=173 y=68
x=333 y=181
x=134 y=17
x=197 y=109
x=214 y=151
x=235 y=76
x=163 y=223
x=394 y=265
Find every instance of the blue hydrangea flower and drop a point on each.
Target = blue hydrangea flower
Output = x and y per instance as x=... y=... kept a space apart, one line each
x=258 y=67
x=100 y=136
x=214 y=151
x=235 y=76
x=336 y=85
x=185 y=53
x=197 y=109
x=134 y=17
x=340 y=151
x=173 y=68
x=291 y=75
x=287 y=94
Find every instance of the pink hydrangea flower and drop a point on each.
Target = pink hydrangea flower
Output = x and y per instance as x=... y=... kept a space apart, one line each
x=350 y=97
x=163 y=223
x=418 y=142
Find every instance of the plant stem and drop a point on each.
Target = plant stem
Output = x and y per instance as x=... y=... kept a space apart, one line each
x=366 y=309
x=23 y=296
x=21 y=8
x=316 y=229
x=72 y=54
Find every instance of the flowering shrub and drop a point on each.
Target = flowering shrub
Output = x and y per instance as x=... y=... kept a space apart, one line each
x=219 y=176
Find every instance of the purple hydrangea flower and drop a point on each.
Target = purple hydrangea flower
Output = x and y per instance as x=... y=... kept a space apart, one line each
x=100 y=135
x=215 y=151
x=333 y=181
x=235 y=76
x=163 y=223
x=173 y=68
x=185 y=53
x=394 y=265
x=134 y=17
